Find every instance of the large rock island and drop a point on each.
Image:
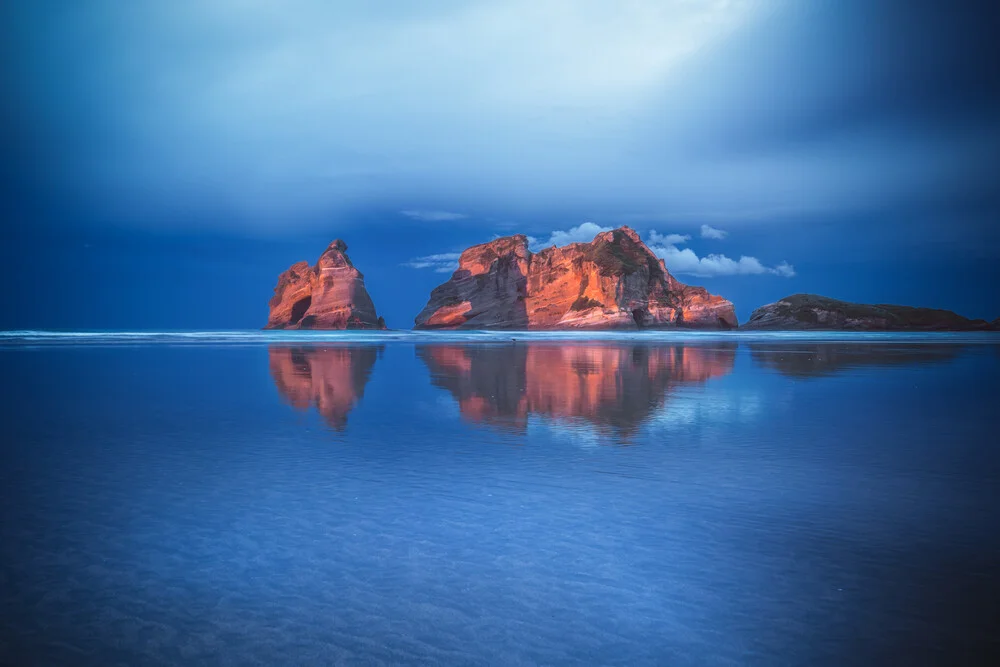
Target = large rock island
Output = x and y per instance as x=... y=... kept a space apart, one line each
x=811 y=311
x=329 y=295
x=613 y=282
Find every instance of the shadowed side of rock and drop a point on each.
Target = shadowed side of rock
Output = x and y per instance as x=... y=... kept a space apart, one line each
x=488 y=291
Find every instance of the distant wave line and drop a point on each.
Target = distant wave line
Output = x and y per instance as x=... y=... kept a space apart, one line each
x=35 y=337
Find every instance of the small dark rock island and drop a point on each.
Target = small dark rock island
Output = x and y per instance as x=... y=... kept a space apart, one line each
x=811 y=311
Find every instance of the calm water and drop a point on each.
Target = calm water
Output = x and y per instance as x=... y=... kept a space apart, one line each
x=707 y=500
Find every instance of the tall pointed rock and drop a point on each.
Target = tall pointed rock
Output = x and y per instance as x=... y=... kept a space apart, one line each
x=329 y=295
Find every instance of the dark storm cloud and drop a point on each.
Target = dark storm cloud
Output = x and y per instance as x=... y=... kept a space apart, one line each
x=278 y=115
x=273 y=112
x=852 y=105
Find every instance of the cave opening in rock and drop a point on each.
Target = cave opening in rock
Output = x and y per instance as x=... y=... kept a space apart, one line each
x=299 y=309
x=639 y=315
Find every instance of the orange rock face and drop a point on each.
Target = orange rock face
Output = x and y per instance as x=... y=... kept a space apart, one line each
x=329 y=295
x=332 y=379
x=613 y=282
x=615 y=388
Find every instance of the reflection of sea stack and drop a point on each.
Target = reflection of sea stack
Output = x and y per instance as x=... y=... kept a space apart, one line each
x=333 y=379
x=815 y=359
x=613 y=282
x=610 y=386
x=329 y=295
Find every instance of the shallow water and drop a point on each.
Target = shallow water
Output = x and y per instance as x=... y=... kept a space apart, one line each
x=285 y=498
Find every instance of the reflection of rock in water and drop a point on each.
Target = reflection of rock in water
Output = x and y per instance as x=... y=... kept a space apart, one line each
x=610 y=386
x=333 y=378
x=815 y=359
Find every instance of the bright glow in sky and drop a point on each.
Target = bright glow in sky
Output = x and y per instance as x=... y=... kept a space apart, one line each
x=272 y=111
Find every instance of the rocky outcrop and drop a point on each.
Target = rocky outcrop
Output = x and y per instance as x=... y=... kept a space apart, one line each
x=329 y=295
x=613 y=282
x=332 y=379
x=810 y=311
x=614 y=388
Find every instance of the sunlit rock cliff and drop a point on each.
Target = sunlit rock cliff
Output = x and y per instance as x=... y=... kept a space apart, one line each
x=613 y=282
x=329 y=295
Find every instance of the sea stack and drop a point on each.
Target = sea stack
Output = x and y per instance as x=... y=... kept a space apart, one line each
x=329 y=295
x=811 y=311
x=613 y=282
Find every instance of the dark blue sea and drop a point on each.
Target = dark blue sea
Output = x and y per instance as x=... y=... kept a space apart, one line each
x=250 y=498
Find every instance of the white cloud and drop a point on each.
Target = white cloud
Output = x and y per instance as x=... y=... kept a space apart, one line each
x=270 y=114
x=709 y=232
x=582 y=233
x=286 y=110
x=444 y=262
x=784 y=269
x=686 y=261
x=433 y=216
x=667 y=239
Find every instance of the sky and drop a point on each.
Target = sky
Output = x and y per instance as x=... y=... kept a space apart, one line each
x=162 y=163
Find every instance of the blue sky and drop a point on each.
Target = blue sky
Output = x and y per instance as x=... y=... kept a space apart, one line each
x=163 y=162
